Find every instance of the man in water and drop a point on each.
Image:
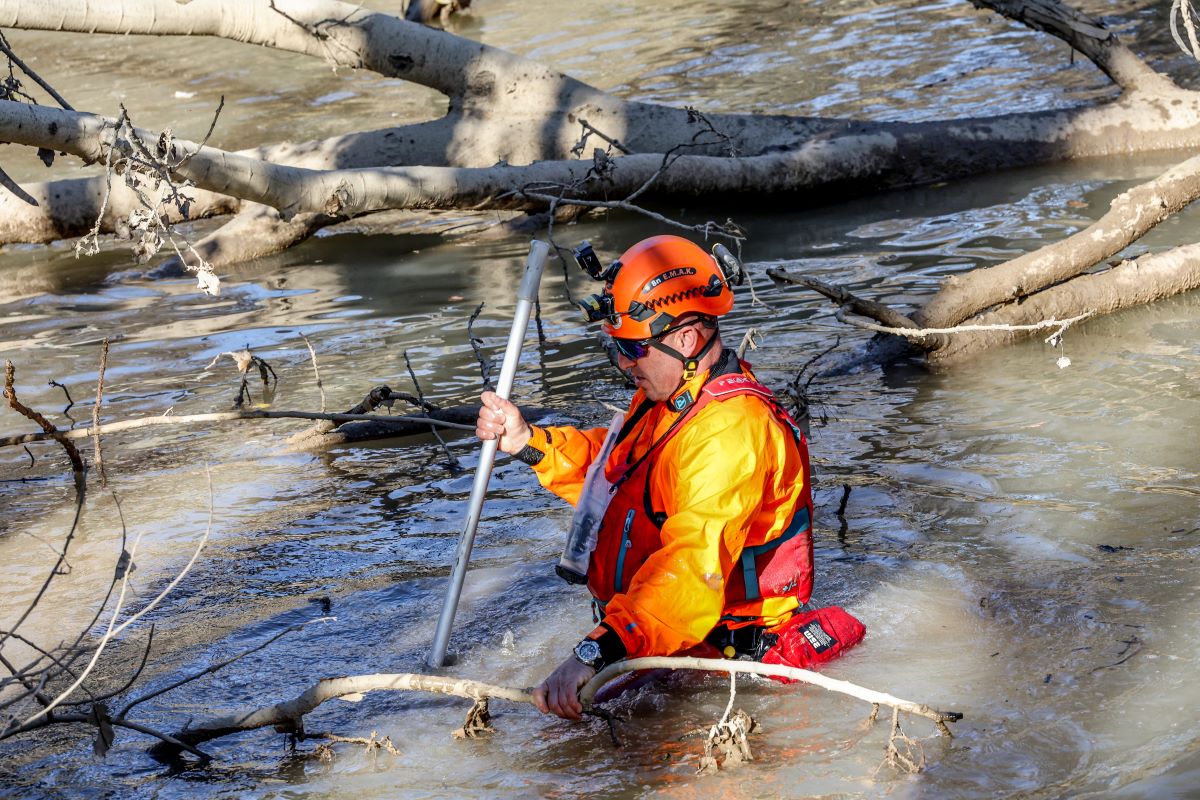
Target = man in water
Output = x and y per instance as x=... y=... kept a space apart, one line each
x=705 y=545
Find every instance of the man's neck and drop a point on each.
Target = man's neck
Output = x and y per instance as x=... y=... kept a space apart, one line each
x=712 y=356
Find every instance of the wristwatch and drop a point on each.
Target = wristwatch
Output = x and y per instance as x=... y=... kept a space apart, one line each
x=588 y=653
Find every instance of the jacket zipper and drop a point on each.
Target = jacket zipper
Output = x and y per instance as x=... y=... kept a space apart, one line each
x=625 y=545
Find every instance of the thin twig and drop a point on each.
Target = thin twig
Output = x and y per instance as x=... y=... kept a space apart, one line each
x=31 y=688
x=70 y=402
x=313 y=354
x=7 y=50
x=211 y=668
x=211 y=127
x=96 y=411
x=113 y=629
x=588 y=130
x=451 y=461
x=484 y=369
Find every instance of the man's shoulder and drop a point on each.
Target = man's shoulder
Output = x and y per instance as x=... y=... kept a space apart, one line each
x=741 y=414
x=725 y=387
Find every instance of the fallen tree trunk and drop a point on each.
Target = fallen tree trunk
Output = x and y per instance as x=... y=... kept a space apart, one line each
x=514 y=132
x=860 y=159
x=1131 y=283
x=507 y=109
x=1057 y=282
x=1130 y=215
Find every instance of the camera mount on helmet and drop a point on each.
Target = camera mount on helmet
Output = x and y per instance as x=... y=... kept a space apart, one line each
x=731 y=269
x=589 y=262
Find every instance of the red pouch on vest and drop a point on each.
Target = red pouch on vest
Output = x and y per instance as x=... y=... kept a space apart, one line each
x=810 y=639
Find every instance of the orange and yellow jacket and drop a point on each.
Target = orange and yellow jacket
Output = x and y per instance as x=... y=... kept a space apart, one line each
x=710 y=520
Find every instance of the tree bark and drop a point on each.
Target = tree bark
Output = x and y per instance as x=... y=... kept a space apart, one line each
x=513 y=133
x=509 y=110
x=1131 y=283
x=861 y=159
x=1129 y=217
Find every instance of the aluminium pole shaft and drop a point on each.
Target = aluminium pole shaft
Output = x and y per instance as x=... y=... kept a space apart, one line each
x=526 y=297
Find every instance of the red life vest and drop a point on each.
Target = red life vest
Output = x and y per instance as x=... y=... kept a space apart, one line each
x=630 y=532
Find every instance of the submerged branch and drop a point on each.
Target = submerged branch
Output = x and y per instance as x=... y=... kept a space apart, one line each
x=289 y=713
x=222 y=416
x=770 y=670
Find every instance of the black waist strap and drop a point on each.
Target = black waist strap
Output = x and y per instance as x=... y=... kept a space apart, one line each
x=745 y=641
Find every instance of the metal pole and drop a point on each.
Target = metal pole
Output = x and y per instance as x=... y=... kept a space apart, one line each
x=526 y=297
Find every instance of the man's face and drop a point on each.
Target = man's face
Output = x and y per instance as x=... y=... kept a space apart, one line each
x=656 y=373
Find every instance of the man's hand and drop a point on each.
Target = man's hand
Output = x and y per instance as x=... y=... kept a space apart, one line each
x=500 y=419
x=559 y=694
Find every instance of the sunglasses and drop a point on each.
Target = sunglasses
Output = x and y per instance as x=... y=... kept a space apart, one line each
x=633 y=349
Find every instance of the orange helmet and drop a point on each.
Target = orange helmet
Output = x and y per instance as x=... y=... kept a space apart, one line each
x=656 y=282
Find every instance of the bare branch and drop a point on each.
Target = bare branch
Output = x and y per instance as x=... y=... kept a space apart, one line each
x=588 y=692
x=214 y=667
x=224 y=416
x=485 y=370
x=7 y=50
x=313 y=355
x=113 y=628
x=10 y=393
x=288 y=714
x=96 y=409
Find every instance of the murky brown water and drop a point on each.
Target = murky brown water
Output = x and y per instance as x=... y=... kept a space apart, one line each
x=1020 y=539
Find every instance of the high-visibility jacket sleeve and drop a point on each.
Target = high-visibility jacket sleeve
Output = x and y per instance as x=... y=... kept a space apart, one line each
x=711 y=478
x=568 y=453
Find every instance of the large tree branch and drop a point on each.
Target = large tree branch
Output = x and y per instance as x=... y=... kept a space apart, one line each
x=1087 y=35
x=343 y=34
x=1131 y=214
x=1131 y=283
x=863 y=158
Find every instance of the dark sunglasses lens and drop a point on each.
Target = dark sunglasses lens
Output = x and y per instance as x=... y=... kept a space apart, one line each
x=631 y=348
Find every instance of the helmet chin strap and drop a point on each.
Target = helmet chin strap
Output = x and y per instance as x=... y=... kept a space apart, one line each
x=691 y=364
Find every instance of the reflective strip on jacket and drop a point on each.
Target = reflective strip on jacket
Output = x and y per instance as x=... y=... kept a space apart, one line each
x=728 y=486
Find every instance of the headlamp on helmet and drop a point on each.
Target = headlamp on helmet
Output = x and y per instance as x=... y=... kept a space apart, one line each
x=597 y=307
x=657 y=282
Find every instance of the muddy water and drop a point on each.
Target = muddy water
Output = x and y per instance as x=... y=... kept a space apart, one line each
x=1020 y=539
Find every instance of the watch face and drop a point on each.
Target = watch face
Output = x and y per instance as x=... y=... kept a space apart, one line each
x=588 y=652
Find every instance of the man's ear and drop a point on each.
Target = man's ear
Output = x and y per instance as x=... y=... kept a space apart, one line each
x=688 y=338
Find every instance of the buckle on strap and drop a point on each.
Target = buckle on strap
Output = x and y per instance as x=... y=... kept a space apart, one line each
x=744 y=641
